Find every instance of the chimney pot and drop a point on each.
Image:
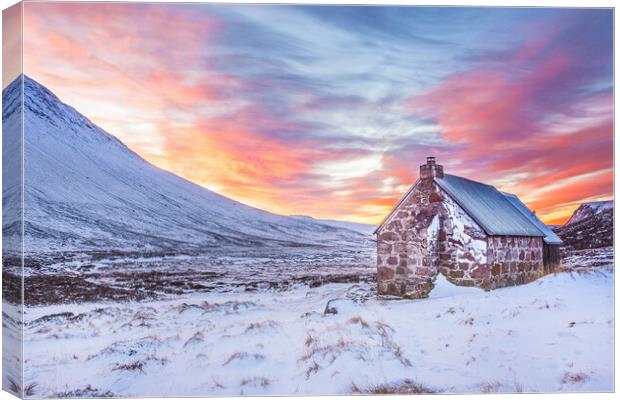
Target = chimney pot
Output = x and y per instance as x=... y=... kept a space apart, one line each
x=431 y=169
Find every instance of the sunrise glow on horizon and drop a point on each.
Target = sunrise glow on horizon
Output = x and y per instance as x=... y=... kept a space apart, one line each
x=329 y=111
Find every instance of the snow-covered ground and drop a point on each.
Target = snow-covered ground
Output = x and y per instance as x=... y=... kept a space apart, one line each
x=555 y=334
x=587 y=259
x=140 y=283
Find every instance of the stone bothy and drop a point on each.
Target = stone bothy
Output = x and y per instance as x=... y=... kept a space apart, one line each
x=467 y=231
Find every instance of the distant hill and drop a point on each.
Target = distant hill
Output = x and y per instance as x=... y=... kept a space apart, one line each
x=587 y=210
x=365 y=229
x=591 y=226
x=85 y=190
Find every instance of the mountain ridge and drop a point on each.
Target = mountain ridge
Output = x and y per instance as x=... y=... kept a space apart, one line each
x=85 y=189
x=591 y=226
x=588 y=209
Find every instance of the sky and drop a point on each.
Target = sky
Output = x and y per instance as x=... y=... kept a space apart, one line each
x=329 y=110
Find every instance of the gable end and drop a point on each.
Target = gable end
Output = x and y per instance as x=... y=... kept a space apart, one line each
x=402 y=199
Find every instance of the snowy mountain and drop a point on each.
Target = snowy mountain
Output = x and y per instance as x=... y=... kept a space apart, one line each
x=587 y=210
x=590 y=227
x=84 y=189
x=366 y=229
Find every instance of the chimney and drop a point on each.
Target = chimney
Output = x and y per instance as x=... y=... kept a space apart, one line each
x=431 y=169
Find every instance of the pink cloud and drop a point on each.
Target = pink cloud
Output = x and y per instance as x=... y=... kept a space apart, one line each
x=11 y=45
x=140 y=71
x=500 y=115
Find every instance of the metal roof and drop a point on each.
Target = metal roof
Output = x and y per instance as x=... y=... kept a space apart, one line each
x=550 y=236
x=488 y=207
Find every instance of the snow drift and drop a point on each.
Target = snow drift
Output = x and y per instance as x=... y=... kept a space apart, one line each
x=553 y=335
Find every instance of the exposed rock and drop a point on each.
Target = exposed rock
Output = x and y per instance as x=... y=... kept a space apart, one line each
x=587 y=210
x=588 y=232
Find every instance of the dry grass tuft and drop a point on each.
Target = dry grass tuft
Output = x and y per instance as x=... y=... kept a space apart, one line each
x=310 y=339
x=217 y=385
x=228 y=307
x=495 y=387
x=383 y=328
x=319 y=355
x=406 y=386
x=358 y=320
x=15 y=387
x=88 y=391
x=29 y=390
x=518 y=387
x=574 y=377
x=331 y=351
x=385 y=331
x=261 y=325
x=138 y=365
x=132 y=366
x=398 y=353
x=255 y=381
x=242 y=355
x=490 y=387
x=197 y=338
x=312 y=369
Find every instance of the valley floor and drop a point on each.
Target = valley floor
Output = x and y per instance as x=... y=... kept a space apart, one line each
x=555 y=334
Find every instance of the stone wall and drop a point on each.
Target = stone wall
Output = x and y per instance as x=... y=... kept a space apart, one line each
x=462 y=247
x=407 y=244
x=429 y=233
x=514 y=260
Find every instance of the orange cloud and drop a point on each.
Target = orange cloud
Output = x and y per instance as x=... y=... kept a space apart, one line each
x=11 y=43
x=150 y=74
x=150 y=84
x=526 y=125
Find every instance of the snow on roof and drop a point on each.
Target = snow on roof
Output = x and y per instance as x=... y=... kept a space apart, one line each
x=550 y=236
x=488 y=207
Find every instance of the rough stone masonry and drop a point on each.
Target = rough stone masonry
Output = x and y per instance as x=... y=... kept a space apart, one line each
x=428 y=233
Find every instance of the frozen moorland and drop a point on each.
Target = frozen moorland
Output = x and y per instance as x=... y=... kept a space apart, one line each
x=138 y=282
x=555 y=334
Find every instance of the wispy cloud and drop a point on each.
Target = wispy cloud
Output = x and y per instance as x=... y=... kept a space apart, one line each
x=541 y=112
x=328 y=110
